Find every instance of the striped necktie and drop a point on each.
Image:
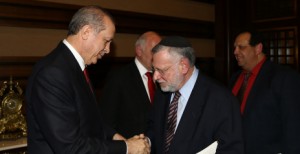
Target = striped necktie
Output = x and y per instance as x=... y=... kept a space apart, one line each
x=171 y=121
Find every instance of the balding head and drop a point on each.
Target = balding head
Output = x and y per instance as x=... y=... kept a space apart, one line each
x=143 y=47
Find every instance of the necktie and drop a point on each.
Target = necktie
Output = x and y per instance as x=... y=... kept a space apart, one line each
x=171 y=121
x=86 y=75
x=240 y=94
x=151 y=86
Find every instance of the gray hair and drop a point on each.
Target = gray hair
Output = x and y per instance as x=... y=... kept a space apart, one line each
x=143 y=38
x=89 y=15
x=141 y=41
x=186 y=52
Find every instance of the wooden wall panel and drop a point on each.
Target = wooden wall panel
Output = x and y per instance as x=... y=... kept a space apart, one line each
x=17 y=67
x=38 y=14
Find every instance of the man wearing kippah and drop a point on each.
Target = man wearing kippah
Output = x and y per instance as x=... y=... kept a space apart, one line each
x=191 y=112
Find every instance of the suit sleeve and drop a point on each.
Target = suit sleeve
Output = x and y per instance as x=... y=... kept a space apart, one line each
x=109 y=100
x=290 y=105
x=229 y=134
x=58 y=117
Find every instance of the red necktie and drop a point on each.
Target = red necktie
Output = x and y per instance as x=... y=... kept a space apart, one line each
x=151 y=86
x=86 y=75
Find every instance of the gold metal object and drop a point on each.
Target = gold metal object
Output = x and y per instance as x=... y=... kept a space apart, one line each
x=12 y=122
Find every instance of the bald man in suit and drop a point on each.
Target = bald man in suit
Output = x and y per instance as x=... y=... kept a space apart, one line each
x=126 y=100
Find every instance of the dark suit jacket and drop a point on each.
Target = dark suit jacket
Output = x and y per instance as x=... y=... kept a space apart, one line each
x=211 y=114
x=271 y=120
x=124 y=101
x=62 y=113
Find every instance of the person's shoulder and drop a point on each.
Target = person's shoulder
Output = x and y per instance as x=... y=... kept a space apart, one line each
x=216 y=90
x=121 y=71
x=212 y=83
x=283 y=70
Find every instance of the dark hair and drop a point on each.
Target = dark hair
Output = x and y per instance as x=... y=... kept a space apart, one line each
x=88 y=15
x=255 y=36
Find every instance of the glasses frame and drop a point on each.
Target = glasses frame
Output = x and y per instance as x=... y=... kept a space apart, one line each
x=163 y=72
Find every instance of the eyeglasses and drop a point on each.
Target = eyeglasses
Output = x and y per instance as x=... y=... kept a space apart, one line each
x=163 y=71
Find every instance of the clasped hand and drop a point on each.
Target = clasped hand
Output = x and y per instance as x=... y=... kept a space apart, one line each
x=138 y=144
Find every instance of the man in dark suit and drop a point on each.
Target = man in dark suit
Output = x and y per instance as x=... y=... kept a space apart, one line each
x=126 y=99
x=62 y=112
x=206 y=112
x=270 y=104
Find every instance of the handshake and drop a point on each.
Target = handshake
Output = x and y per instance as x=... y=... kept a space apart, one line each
x=138 y=144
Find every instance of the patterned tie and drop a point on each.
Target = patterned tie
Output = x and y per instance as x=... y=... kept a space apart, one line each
x=151 y=86
x=171 y=121
x=240 y=94
x=86 y=75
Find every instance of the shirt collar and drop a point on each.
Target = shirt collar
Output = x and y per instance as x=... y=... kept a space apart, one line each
x=187 y=88
x=76 y=54
x=140 y=67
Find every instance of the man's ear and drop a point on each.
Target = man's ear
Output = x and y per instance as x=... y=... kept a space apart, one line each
x=258 y=48
x=138 y=51
x=184 y=65
x=85 y=32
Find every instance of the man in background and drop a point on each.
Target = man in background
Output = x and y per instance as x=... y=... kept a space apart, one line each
x=62 y=114
x=127 y=96
x=269 y=97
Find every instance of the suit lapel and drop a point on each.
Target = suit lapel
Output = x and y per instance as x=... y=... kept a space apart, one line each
x=137 y=80
x=259 y=86
x=192 y=114
x=161 y=110
x=75 y=66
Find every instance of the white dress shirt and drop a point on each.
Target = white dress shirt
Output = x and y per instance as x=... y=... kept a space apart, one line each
x=185 y=92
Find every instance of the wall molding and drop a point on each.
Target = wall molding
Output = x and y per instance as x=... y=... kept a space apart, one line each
x=38 y=14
